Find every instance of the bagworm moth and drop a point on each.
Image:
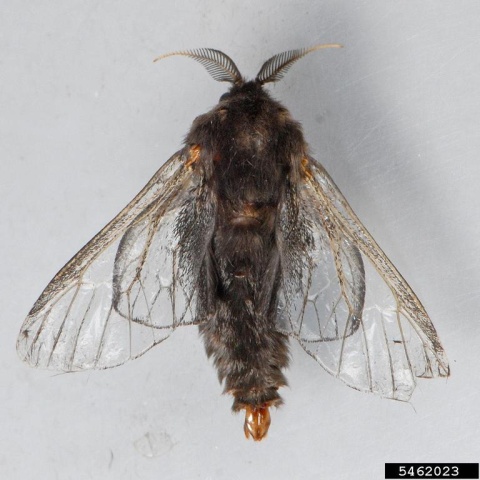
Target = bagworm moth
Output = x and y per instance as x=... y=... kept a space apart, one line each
x=244 y=234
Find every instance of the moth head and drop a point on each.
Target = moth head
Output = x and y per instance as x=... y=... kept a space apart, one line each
x=223 y=69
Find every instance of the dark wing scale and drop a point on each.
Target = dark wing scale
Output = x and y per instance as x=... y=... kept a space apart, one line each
x=219 y=65
x=120 y=295
x=355 y=314
x=158 y=258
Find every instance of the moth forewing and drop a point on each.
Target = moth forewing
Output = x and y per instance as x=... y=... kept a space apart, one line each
x=395 y=342
x=113 y=300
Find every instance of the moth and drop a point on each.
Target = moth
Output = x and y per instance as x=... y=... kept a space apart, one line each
x=244 y=234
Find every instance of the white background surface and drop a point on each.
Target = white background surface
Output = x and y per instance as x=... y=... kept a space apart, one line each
x=86 y=118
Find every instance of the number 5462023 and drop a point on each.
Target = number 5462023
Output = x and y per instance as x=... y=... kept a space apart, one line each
x=432 y=471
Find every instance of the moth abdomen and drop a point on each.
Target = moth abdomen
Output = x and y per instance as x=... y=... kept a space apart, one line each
x=250 y=146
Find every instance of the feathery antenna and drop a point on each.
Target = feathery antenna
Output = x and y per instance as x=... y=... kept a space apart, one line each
x=219 y=65
x=275 y=67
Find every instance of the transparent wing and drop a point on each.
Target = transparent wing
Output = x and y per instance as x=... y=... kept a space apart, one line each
x=123 y=292
x=345 y=302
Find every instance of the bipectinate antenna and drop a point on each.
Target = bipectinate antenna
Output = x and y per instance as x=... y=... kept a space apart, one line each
x=275 y=67
x=219 y=65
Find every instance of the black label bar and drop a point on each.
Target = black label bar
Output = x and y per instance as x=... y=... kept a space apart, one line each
x=431 y=470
